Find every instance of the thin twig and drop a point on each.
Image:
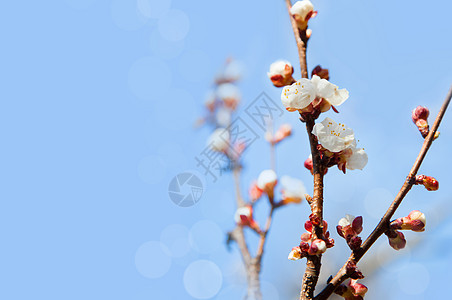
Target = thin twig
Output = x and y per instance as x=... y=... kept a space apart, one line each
x=341 y=276
x=300 y=38
x=263 y=238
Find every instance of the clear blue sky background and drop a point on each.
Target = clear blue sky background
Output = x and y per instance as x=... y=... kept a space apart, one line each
x=98 y=98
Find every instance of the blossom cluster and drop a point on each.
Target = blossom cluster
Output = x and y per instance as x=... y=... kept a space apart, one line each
x=310 y=245
x=338 y=146
x=415 y=221
x=349 y=228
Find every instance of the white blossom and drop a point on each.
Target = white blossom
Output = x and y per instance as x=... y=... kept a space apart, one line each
x=219 y=140
x=346 y=221
x=301 y=93
x=242 y=211
x=223 y=117
x=267 y=180
x=358 y=159
x=301 y=9
x=228 y=91
x=279 y=68
x=292 y=188
x=334 y=137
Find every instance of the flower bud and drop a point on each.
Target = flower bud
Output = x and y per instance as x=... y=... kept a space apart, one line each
x=281 y=73
x=284 y=131
x=352 y=271
x=266 y=181
x=302 y=11
x=318 y=247
x=429 y=182
x=308 y=164
x=419 y=116
x=322 y=73
x=254 y=192
x=295 y=254
x=293 y=190
x=230 y=95
x=415 y=221
x=219 y=140
x=396 y=239
x=356 y=288
x=244 y=217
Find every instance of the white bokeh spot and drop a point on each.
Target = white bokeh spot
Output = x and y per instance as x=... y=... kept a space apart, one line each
x=147 y=169
x=153 y=9
x=126 y=16
x=414 y=279
x=175 y=237
x=149 y=78
x=152 y=259
x=174 y=25
x=206 y=237
x=203 y=279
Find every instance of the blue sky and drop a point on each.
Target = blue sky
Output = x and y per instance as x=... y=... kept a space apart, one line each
x=98 y=99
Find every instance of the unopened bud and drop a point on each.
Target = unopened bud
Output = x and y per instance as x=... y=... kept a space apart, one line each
x=295 y=254
x=266 y=181
x=322 y=73
x=254 y=192
x=356 y=288
x=429 y=182
x=302 y=11
x=419 y=117
x=352 y=270
x=284 y=131
x=281 y=73
x=396 y=239
x=318 y=247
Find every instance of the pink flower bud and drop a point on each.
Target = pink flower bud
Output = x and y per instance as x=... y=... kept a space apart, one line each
x=304 y=246
x=318 y=247
x=306 y=236
x=352 y=271
x=281 y=73
x=396 y=239
x=322 y=73
x=356 y=288
x=295 y=254
x=254 y=192
x=309 y=165
x=284 y=131
x=420 y=113
x=244 y=217
x=418 y=220
x=266 y=181
x=430 y=183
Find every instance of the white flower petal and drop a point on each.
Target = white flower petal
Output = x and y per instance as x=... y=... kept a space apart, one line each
x=346 y=221
x=302 y=8
x=292 y=187
x=266 y=177
x=245 y=211
x=298 y=95
x=219 y=140
x=278 y=68
x=357 y=160
x=334 y=137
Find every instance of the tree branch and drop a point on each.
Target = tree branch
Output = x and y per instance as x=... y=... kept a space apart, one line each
x=380 y=229
x=302 y=40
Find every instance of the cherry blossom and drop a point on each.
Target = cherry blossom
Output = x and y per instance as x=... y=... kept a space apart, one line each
x=334 y=137
x=302 y=11
x=281 y=73
x=267 y=180
x=293 y=190
x=316 y=93
x=219 y=140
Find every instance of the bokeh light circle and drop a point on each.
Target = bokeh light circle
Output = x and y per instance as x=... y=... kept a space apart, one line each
x=150 y=78
x=153 y=9
x=126 y=16
x=377 y=202
x=206 y=236
x=203 y=279
x=163 y=48
x=174 y=25
x=152 y=169
x=152 y=259
x=414 y=279
x=175 y=237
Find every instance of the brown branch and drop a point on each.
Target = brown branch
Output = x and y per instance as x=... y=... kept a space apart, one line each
x=341 y=276
x=302 y=40
x=313 y=263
